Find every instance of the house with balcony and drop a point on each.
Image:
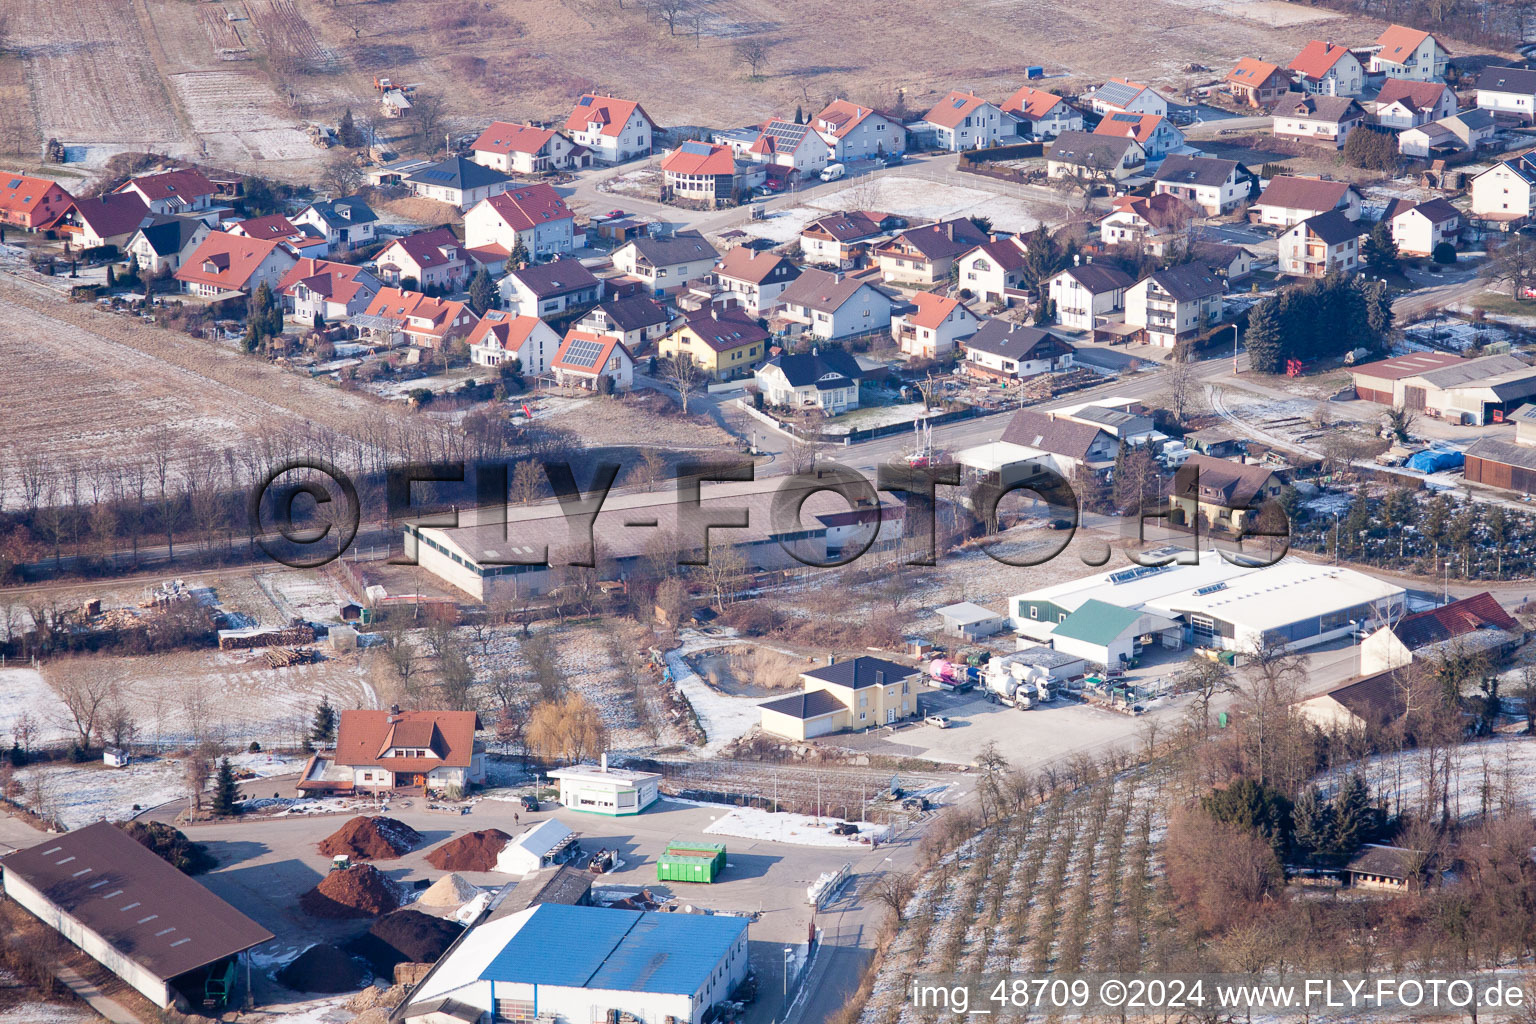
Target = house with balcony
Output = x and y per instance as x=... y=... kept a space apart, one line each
x=923 y=256
x=1215 y=186
x=397 y=317
x=432 y=259
x=857 y=132
x=163 y=241
x=333 y=291
x=1410 y=53
x=701 y=172
x=501 y=337
x=1328 y=69
x=1176 y=304
x=526 y=149
x=91 y=222
x=1257 y=83
x=183 y=192
x=842 y=240
x=30 y=203
x=1087 y=293
x=549 y=289
x=636 y=320
x=1418 y=228
x=1042 y=114
x=931 y=328
x=1094 y=157
x=963 y=120
x=724 y=343
x=1155 y=134
x=1152 y=224
x=346 y=223
x=534 y=215
x=790 y=151
x=755 y=279
x=614 y=130
x=1318 y=246
x=1323 y=121
x=1403 y=103
x=831 y=305
x=827 y=380
x=666 y=263
x=1290 y=199
x=1501 y=195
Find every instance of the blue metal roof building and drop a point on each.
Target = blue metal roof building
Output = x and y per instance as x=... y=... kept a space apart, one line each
x=573 y=961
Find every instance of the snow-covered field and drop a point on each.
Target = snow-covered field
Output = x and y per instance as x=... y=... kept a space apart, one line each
x=798 y=829
x=23 y=691
x=1493 y=773
x=47 y=1013
x=915 y=198
x=82 y=794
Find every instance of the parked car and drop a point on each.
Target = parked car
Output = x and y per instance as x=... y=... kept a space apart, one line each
x=530 y=802
x=937 y=721
x=895 y=160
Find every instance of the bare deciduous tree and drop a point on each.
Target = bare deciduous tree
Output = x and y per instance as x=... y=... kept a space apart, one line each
x=753 y=51
x=684 y=373
x=895 y=889
x=85 y=693
x=569 y=729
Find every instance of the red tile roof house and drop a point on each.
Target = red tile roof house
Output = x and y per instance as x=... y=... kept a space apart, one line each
x=1409 y=53
x=1288 y=200
x=857 y=132
x=227 y=263
x=500 y=337
x=1042 y=114
x=434 y=259
x=395 y=317
x=1326 y=69
x=1475 y=625
x=924 y=255
x=585 y=358
x=614 y=130
x=28 y=202
x=790 y=150
x=993 y=269
x=185 y=192
x=1155 y=133
x=757 y=279
x=334 y=290
x=525 y=149
x=1407 y=104
x=931 y=328
x=702 y=172
x=963 y=120
x=534 y=214
x=111 y=219
x=278 y=228
x=1257 y=83
x=394 y=749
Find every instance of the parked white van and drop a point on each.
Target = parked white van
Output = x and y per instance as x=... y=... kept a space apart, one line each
x=832 y=172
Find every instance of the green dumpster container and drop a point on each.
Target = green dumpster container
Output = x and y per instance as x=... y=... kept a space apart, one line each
x=690 y=862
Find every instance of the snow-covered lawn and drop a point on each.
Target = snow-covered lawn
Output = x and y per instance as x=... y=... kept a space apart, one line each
x=47 y=1013
x=1494 y=771
x=723 y=718
x=23 y=691
x=798 y=829
x=82 y=794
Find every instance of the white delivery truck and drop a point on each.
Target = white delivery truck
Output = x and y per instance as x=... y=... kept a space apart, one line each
x=832 y=172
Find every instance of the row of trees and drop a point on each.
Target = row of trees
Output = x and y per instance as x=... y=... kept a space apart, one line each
x=1318 y=320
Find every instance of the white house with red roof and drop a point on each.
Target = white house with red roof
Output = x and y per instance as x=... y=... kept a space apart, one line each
x=1326 y=68
x=395 y=316
x=526 y=149
x=993 y=269
x=703 y=172
x=534 y=214
x=1404 y=103
x=278 y=228
x=585 y=358
x=756 y=279
x=1126 y=96
x=796 y=148
x=614 y=130
x=434 y=259
x=336 y=291
x=500 y=337
x=1042 y=114
x=857 y=132
x=932 y=327
x=29 y=202
x=111 y=219
x=1156 y=134
x=963 y=120
x=227 y=263
x=385 y=749
x=184 y=192
x=1410 y=53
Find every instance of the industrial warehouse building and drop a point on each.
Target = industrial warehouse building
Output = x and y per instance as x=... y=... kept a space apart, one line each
x=1445 y=386
x=498 y=553
x=141 y=918
x=1210 y=604
x=584 y=964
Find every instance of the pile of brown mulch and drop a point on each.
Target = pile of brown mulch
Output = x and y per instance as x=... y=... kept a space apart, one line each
x=371 y=839
x=406 y=936
x=362 y=890
x=323 y=968
x=472 y=851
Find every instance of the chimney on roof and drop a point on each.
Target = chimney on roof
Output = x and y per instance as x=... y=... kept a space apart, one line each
x=879 y=677
x=1077 y=259
x=605 y=761
x=394 y=709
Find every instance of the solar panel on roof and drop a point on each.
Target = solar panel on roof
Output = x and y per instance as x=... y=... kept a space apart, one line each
x=15 y=183
x=583 y=353
x=696 y=149
x=959 y=104
x=586 y=101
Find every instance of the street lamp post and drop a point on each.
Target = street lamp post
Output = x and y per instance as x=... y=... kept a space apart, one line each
x=788 y=952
